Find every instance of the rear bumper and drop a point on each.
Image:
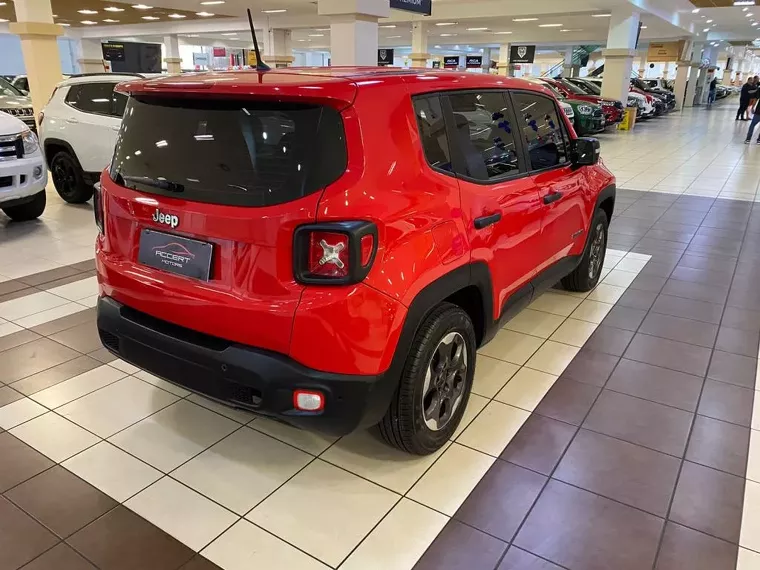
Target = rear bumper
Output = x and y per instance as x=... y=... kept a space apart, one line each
x=245 y=377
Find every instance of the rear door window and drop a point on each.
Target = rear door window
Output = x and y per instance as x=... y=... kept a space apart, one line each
x=542 y=129
x=484 y=135
x=91 y=97
x=240 y=153
x=432 y=126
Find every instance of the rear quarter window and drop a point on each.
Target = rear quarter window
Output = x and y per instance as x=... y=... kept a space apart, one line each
x=240 y=153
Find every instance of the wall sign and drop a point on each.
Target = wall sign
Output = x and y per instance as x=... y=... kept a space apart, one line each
x=664 y=52
x=522 y=54
x=436 y=64
x=384 y=57
x=113 y=52
x=424 y=7
x=220 y=52
x=200 y=59
x=451 y=61
x=474 y=61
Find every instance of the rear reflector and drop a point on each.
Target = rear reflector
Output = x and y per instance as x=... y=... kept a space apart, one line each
x=308 y=401
x=328 y=254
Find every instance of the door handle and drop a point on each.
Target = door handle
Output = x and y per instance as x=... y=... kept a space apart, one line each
x=485 y=221
x=553 y=197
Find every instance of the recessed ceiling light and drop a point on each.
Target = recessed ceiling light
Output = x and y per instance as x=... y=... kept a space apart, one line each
x=3 y=3
x=177 y=16
x=524 y=19
x=322 y=29
x=445 y=23
x=278 y=11
x=193 y=35
x=601 y=15
x=88 y=12
x=754 y=24
x=64 y=25
x=502 y=33
x=573 y=30
x=389 y=26
x=392 y=37
x=695 y=11
x=88 y=22
x=322 y=36
x=230 y=34
x=708 y=22
x=550 y=25
x=204 y=14
x=212 y=2
x=643 y=27
x=142 y=7
x=706 y=30
x=748 y=14
x=3 y=20
x=151 y=18
x=113 y=9
x=447 y=35
x=110 y=21
x=476 y=29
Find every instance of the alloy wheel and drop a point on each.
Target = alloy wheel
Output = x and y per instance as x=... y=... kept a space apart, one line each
x=64 y=177
x=596 y=257
x=445 y=380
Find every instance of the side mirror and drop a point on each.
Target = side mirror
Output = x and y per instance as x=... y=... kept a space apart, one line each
x=585 y=151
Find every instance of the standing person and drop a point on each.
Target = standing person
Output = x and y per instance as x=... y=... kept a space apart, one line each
x=755 y=121
x=748 y=89
x=713 y=91
x=754 y=97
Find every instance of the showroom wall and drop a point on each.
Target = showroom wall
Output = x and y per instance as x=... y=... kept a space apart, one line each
x=12 y=62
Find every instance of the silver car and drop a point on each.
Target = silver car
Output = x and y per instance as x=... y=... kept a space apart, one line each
x=16 y=103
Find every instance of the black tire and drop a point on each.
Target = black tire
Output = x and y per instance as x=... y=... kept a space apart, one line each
x=28 y=211
x=68 y=179
x=404 y=425
x=586 y=275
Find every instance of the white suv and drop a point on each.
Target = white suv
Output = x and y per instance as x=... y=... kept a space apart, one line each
x=78 y=131
x=23 y=175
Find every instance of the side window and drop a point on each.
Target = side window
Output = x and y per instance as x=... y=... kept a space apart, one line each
x=543 y=132
x=433 y=132
x=91 y=97
x=119 y=104
x=484 y=134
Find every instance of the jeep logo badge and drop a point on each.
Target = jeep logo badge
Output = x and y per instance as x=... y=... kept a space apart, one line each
x=166 y=219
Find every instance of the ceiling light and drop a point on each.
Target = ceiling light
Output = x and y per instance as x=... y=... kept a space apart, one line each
x=524 y=19
x=601 y=15
x=212 y=2
x=322 y=36
x=476 y=29
x=230 y=34
x=447 y=35
x=65 y=25
x=437 y=47
x=322 y=29
x=502 y=33
x=708 y=22
x=87 y=12
x=3 y=20
x=748 y=14
x=392 y=37
x=573 y=30
x=706 y=30
x=142 y=7
x=744 y=2
x=550 y=25
x=151 y=18
x=3 y=4
x=204 y=14
x=193 y=35
x=113 y=9
x=695 y=11
x=278 y=11
x=445 y=23
x=389 y=26
x=110 y=21
x=88 y=22
x=177 y=16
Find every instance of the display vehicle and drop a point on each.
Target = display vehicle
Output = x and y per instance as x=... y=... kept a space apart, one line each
x=587 y=118
x=17 y=104
x=644 y=102
x=613 y=110
x=23 y=175
x=330 y=247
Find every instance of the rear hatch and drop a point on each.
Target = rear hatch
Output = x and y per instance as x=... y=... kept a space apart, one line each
x=208 y=182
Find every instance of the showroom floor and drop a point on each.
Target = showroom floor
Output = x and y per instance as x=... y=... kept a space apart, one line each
x=608 y=431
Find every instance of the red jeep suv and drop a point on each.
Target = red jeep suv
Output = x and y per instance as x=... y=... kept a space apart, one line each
x=329 y=247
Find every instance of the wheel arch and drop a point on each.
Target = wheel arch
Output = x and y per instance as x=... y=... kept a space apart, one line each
x=53 y=146
x=606 y=201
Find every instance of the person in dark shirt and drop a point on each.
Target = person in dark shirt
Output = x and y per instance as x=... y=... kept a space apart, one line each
x=749 y=90
x=755 y=121
x=713 y=90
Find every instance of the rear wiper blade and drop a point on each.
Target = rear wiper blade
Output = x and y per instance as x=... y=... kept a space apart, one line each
x=160 y=184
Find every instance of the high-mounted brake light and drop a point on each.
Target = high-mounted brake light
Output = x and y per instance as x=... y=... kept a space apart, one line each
x=338 y=253
x=97 y=206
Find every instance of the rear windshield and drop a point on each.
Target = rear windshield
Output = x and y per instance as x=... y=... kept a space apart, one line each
x=239 y=153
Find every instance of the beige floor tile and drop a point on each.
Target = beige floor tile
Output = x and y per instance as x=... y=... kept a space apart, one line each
x=755 y=412
x=247 y=547
x=161 y=383
x=19 y=412
x=491 y=375
x=748 y=560
x=124 y=366
x=113 y=471
x=574 y=332
x=753 y=462
x=240 y=416
x=29 y=305
x=494 y=428
x=54 y=436
x=631 y=264
x=365 y=454
x=451 y=479
x=511 y=346
x=324 y=511
x=399 y=540
x=77 y=386
x=170 y=437
x=556 y=303
x=189 y=517
x=535 y=323
x=242 y=469
x=619 y=278
x=607 y=293
x=553 y=357
x=526 y=389
x=592 y=311
x=309 y=441
x=750 y=534
x=475 y=405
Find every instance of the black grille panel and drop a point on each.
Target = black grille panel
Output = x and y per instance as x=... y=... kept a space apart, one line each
x=109 y=340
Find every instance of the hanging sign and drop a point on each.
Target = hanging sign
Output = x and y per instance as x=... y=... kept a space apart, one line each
x=220 y=52
x=384 y=57
x=436 y=64
x=664 y=52
x=113 y=52
x=424 y=7
x=474 y=61
x=451 y=61
x=200 y=59
x=522 y=54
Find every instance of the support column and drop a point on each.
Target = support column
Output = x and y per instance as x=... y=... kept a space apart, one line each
x=503 y=66
x=710 y=55
x=353 y=29
x=666 y=70
x=90 y=56
x=172 y=59
x=621 y=49
x=278 y=47
x=682 y=78
x=643 y=63
x=419 y=55
x=727 y=75
x=567 y=67
x=696 y=58
x=39 y=46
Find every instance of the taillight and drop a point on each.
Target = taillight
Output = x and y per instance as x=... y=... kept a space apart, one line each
x=337 y=253
x=97 y=206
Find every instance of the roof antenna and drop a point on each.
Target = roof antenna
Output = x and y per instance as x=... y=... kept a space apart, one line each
x=260 y=65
